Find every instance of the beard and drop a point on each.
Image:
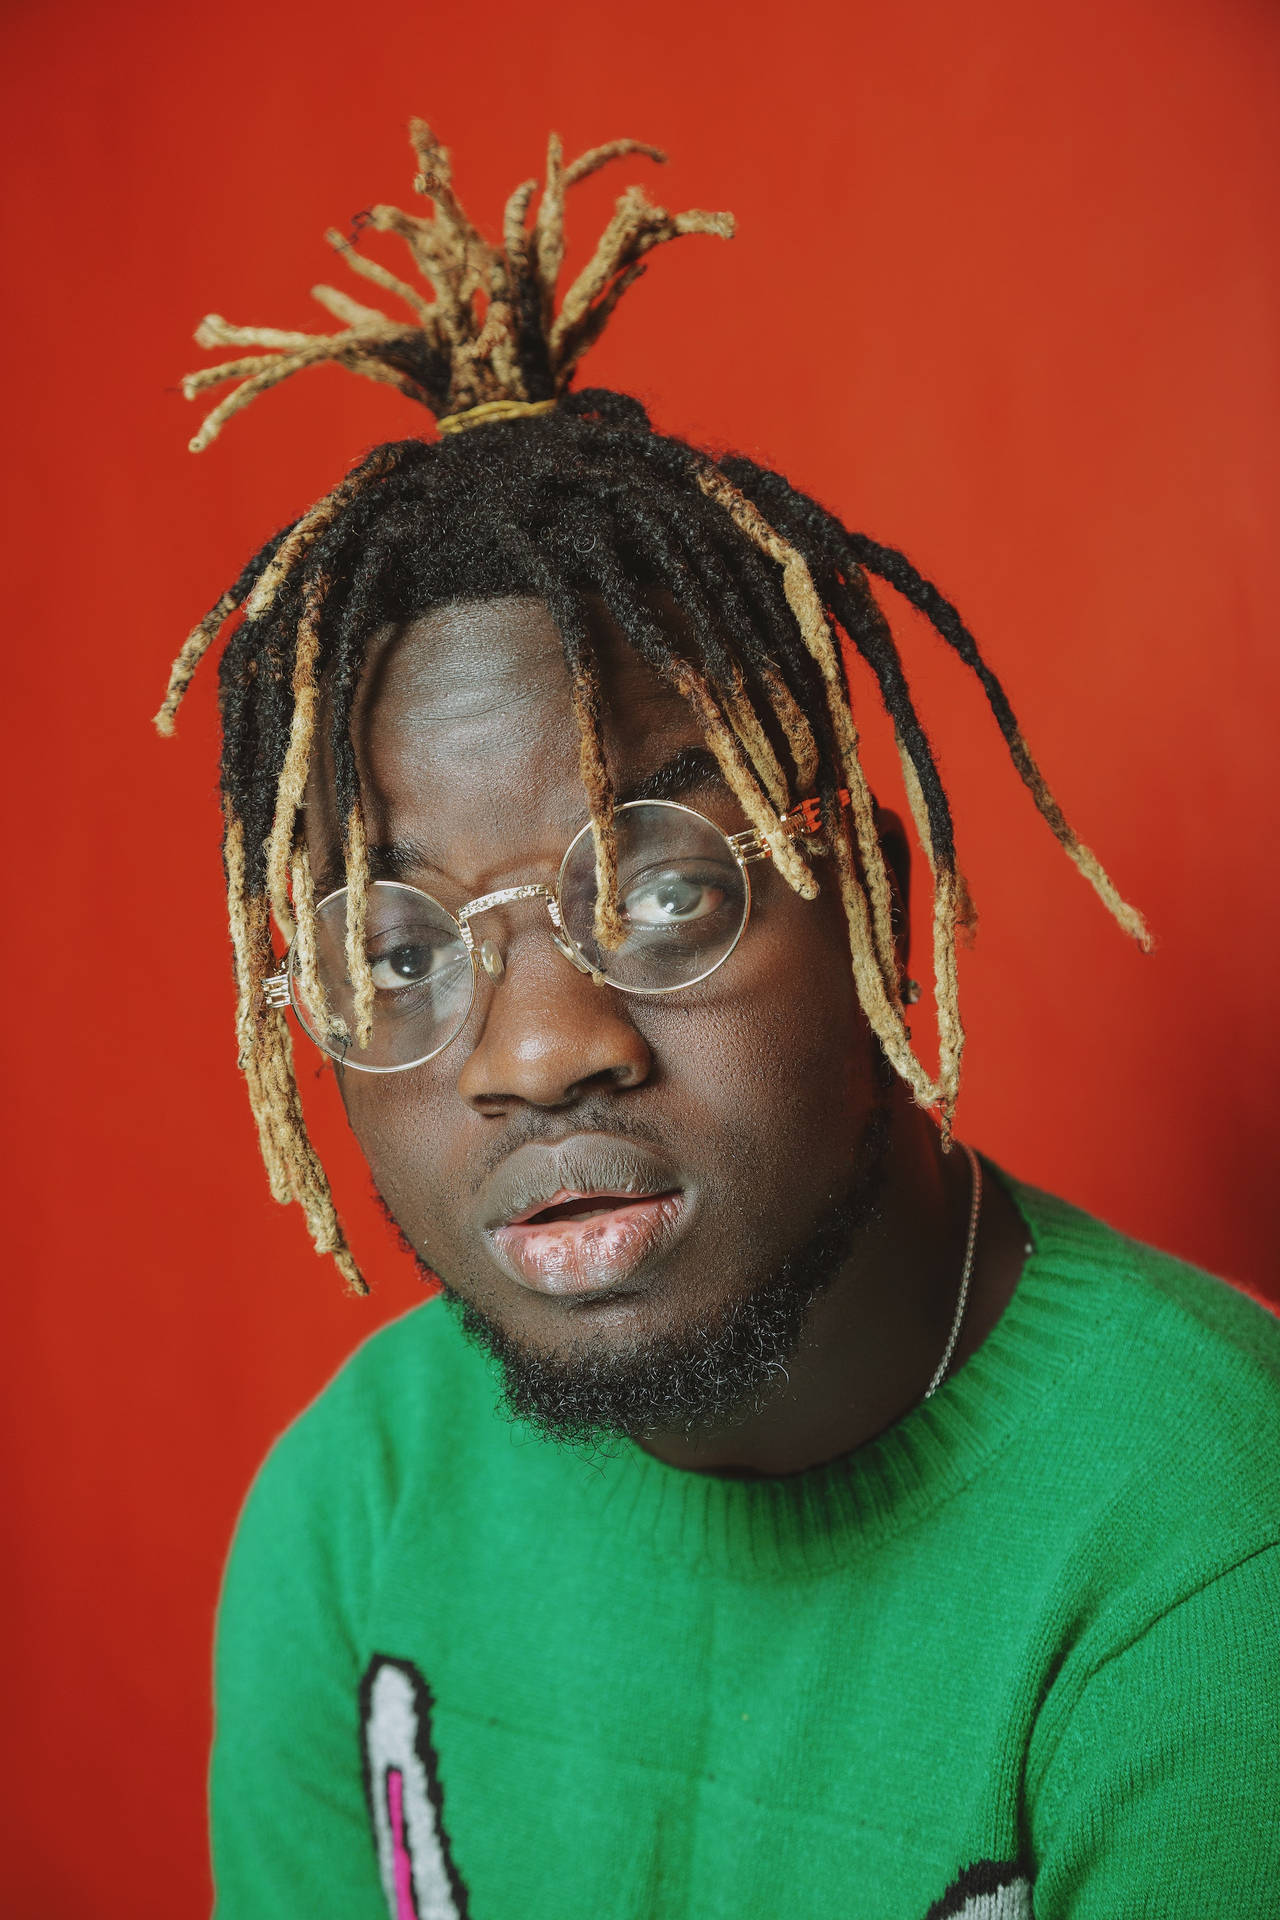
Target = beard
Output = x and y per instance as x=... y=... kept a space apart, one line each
x=712 y=1373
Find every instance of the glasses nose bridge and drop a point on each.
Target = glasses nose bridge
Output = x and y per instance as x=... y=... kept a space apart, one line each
x=490 y=955
x=501 y=897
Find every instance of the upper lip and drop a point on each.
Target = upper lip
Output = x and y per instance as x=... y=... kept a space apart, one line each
x=534 y=1176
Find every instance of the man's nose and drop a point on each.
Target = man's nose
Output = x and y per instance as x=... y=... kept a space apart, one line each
x=549 y=1033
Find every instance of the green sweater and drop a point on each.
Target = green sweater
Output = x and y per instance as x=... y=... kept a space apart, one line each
x=1018 y=1655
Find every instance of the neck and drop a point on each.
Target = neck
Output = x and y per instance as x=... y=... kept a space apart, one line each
x=873 y=1338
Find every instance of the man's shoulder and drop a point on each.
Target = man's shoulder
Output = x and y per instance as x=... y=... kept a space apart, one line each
x=1165 y=1428
x=1152 y=1512
x=423 y=1350
x=410 y=1397
x=1132 y=1290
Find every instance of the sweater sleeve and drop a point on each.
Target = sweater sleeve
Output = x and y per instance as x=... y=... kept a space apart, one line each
x=290 y=1832
x=1162 y=1800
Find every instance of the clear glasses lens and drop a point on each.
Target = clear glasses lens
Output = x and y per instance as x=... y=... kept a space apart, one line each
x=682 y=891
x=684 y=899
x=422 y=975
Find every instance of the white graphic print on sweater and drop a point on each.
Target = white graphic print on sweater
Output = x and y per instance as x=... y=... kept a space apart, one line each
x=415 y=1858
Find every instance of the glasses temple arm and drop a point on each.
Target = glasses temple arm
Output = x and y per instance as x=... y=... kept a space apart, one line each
x=804 y=818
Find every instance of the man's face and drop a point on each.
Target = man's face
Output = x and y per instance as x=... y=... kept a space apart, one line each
x=712 y=1139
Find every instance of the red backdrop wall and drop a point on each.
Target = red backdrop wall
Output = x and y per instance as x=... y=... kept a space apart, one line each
x=1001 y=295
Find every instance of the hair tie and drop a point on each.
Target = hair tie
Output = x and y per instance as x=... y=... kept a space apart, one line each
x=492 y=410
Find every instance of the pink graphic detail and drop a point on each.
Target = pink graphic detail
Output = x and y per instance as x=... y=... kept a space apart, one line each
x=402 y=1865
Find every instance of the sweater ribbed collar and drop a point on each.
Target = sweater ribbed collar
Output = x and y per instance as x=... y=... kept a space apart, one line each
x=808 y=1523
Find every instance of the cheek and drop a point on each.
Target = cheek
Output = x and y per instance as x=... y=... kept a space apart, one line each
x=772 y=1088
x=401 y=1125
x=782 y=1056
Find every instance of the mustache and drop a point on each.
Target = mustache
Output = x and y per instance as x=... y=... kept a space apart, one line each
x=531 y=1177
x=547 y=1127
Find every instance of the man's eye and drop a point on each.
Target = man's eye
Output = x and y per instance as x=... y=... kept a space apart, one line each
x=412 y=963
x=670 y=899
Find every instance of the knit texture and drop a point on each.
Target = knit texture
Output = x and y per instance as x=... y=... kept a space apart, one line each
x=1016 y=1656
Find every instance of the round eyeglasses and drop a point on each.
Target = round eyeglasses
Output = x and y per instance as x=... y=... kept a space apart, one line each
x=684 y=898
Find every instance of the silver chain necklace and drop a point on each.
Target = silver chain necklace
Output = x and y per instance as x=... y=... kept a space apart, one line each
x=975 y=1208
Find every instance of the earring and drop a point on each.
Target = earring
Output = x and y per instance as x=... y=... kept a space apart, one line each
x=910 y=992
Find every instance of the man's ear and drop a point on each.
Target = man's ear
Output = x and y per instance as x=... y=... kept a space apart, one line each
x=897 y=854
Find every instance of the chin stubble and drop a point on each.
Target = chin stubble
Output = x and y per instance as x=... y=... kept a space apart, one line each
x=713 y=1372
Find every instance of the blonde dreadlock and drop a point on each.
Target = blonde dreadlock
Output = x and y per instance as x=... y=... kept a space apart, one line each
x=491 y=333
x=540 y=490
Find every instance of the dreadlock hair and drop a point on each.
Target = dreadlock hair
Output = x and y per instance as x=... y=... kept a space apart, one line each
x=537 y=490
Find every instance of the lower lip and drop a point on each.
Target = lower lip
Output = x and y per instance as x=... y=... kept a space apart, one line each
x=594 y=1255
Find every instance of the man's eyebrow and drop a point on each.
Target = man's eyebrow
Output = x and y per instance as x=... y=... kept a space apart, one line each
x=394 y=859
x=388 y=860
x=688 y=769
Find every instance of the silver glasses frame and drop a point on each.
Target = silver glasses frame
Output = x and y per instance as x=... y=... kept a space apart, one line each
x=747 y=847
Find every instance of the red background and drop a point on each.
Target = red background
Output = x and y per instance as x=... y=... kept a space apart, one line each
x=1005 y=293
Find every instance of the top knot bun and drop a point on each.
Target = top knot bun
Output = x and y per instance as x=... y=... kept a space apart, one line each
x=493 y=329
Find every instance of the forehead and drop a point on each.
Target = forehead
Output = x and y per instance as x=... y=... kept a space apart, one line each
x=466 y=735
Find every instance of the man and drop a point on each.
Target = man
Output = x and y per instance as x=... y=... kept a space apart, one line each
x=847 y=1553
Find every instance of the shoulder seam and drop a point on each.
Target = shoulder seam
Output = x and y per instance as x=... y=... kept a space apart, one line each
x=1192 y=1593
x=1113 y=1654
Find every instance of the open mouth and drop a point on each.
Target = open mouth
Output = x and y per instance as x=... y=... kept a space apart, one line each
x=578 y=1244
x=585 y=1206
x=582 y=1217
